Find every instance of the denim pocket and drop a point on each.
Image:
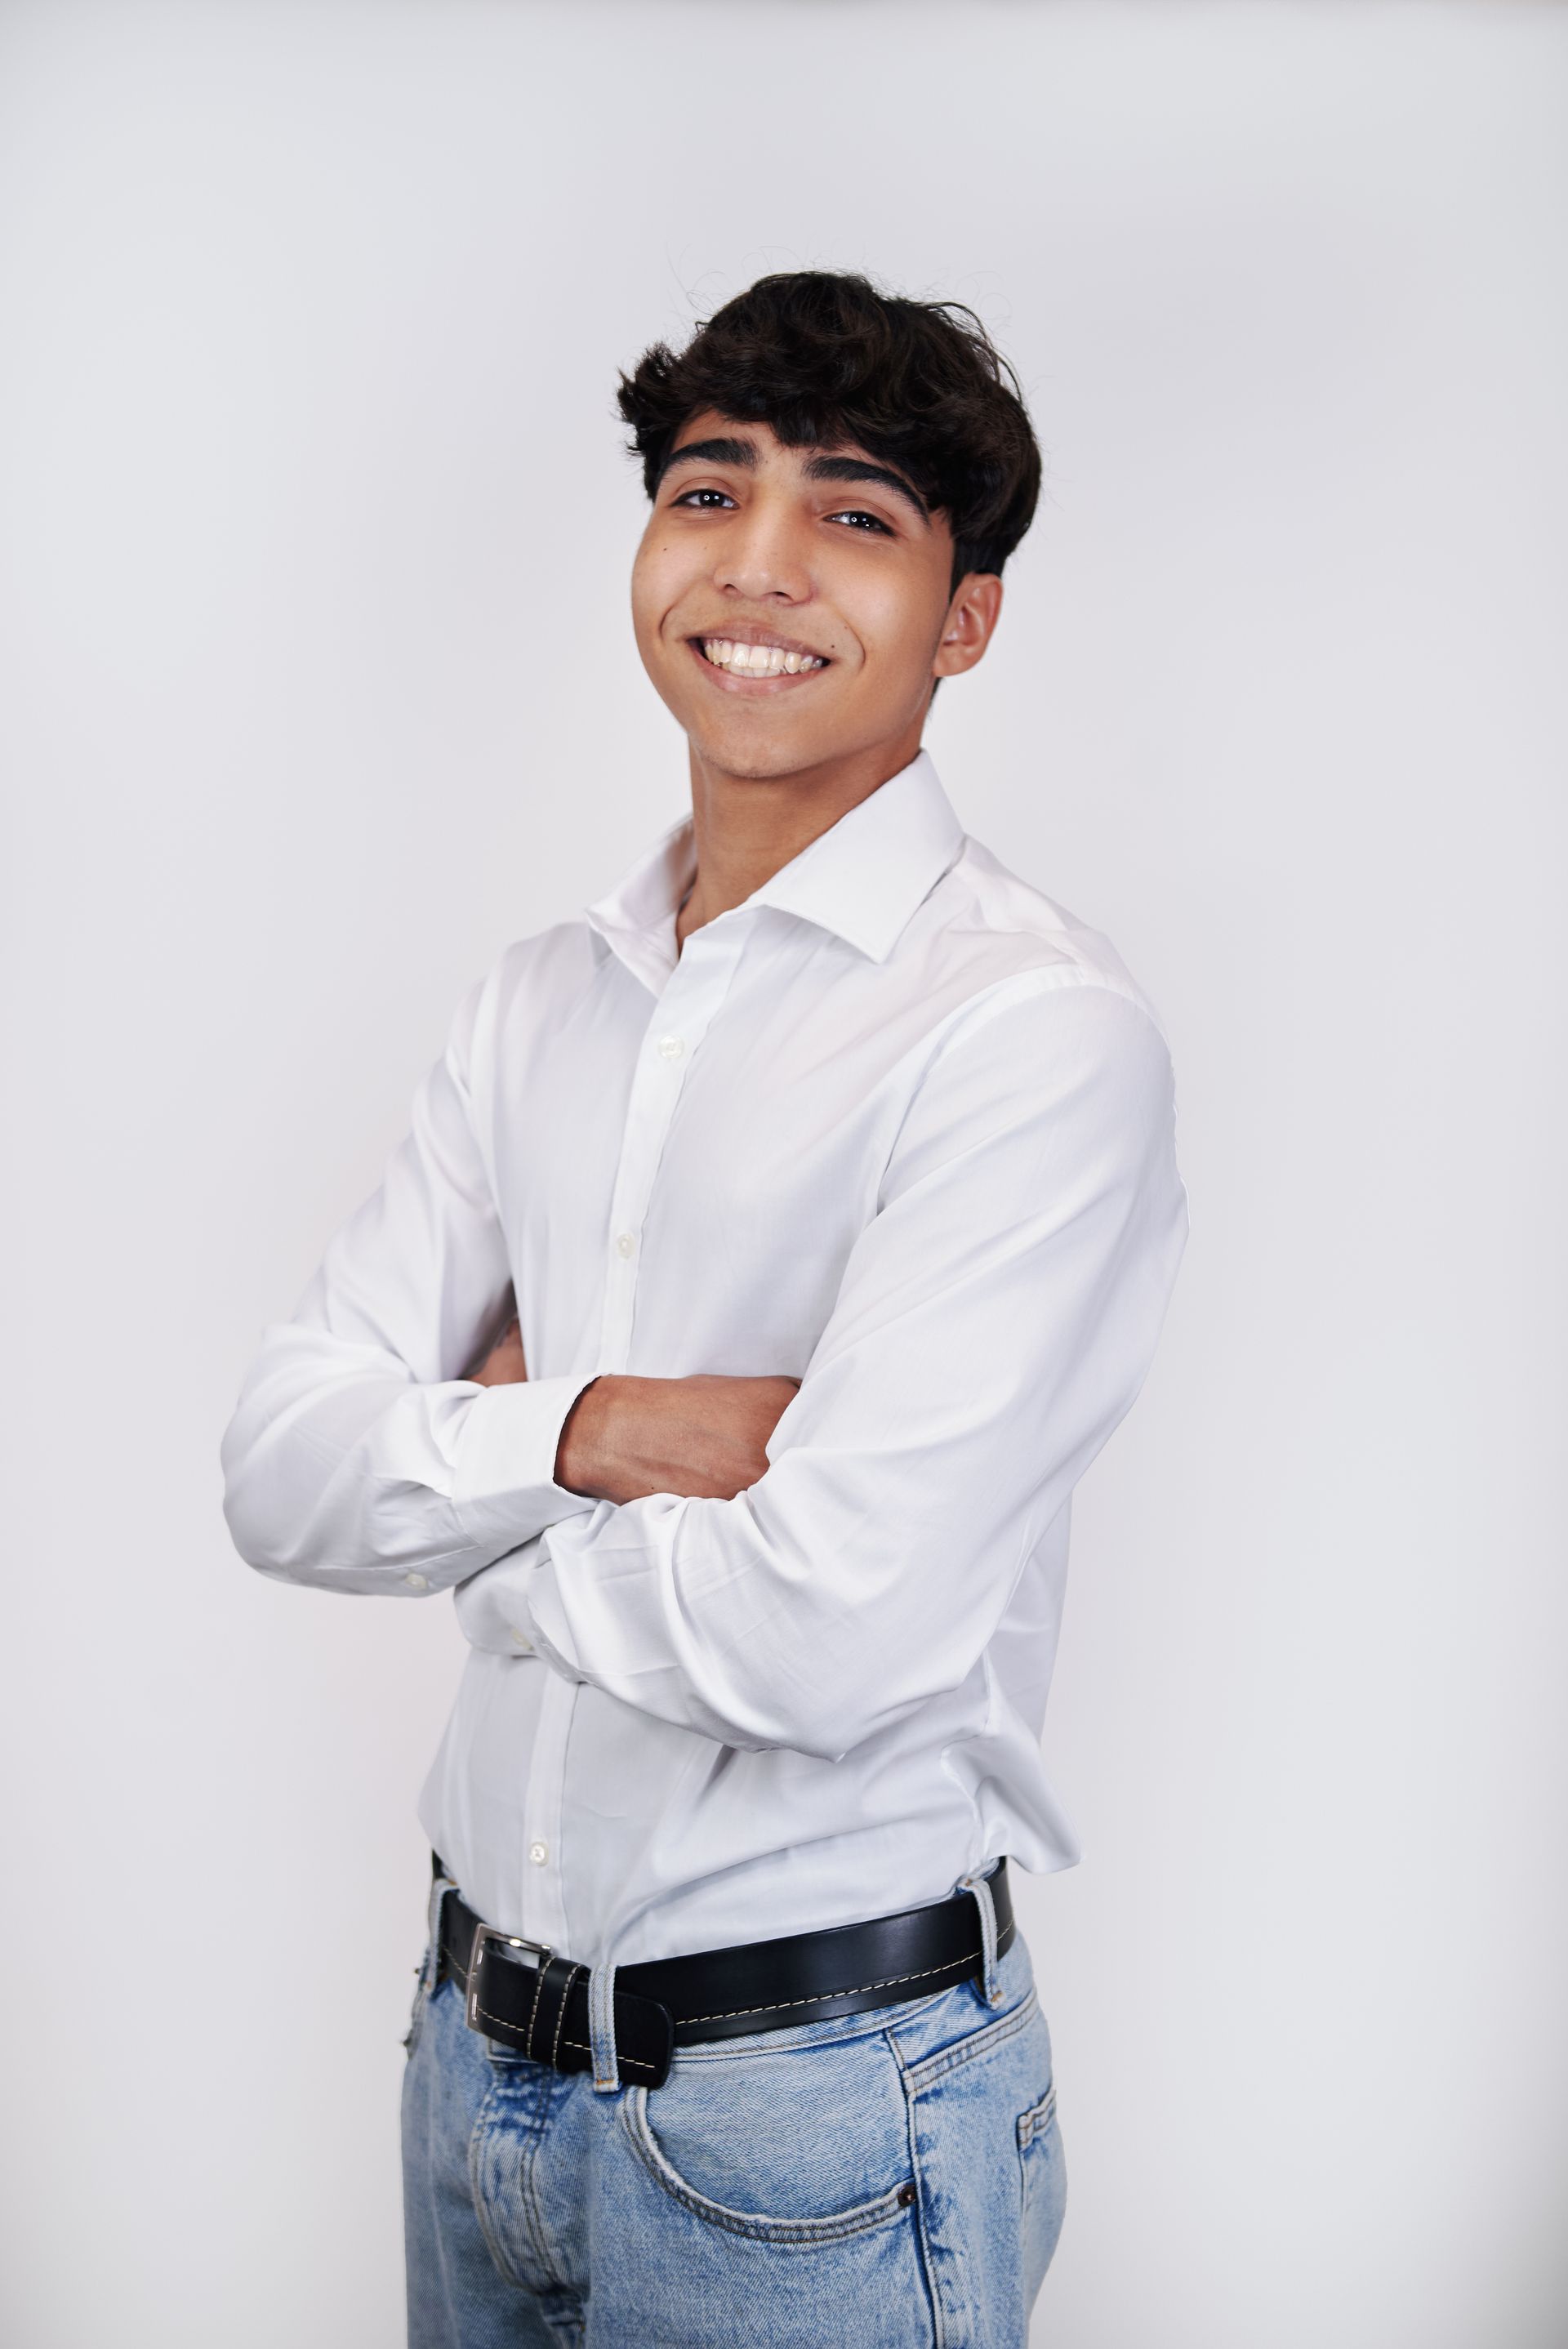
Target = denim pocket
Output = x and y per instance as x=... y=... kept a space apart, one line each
x=807 y=2144
x=1043 y=2183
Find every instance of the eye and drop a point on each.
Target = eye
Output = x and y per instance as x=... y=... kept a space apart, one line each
x=698 y=498
x=857 y=517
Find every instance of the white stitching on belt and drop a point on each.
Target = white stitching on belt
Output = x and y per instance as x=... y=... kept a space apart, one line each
x=819 y=1998
x=730 y=2014
x=636 y=2063
x=560 y=2014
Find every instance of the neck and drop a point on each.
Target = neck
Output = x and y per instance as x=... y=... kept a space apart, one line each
x=746 y=829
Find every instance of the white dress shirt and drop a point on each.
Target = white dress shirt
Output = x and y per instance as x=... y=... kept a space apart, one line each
x=898 y=1126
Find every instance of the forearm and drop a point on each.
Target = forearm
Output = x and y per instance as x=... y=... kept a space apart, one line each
x=624 y=1440
x=703 y=1437
x=342 y=1472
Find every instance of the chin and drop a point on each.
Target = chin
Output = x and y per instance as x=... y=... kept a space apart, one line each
x=753 y=756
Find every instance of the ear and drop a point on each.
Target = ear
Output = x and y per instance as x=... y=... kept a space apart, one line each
x=971 y=621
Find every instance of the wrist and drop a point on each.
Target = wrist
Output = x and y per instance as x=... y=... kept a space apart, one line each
x=581 y=1451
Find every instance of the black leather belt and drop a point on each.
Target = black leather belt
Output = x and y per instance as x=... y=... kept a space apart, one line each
x=524 y=1995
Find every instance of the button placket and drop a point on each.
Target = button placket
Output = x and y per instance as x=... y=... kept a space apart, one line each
x=541 y=1900
x=680 y=1018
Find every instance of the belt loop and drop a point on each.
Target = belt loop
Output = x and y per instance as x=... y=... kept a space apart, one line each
x=601 y=2029
x=990 y=1988
x=430 y=1973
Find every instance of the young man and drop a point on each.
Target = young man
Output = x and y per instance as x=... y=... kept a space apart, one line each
x=829 y=1168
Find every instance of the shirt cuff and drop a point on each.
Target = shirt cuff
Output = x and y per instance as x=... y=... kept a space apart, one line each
x=505 y=1489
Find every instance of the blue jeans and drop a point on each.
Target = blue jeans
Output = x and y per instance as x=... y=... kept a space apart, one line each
x=893 y=2178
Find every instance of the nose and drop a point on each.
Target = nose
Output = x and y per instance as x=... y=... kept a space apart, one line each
x=763 y=556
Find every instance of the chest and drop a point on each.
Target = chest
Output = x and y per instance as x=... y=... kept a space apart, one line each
x=681 y=1176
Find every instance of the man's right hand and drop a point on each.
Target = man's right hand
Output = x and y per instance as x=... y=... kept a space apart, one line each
x=704 y=1437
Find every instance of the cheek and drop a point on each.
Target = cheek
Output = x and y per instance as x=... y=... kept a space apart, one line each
x=895 y=611
x=659 y=580
x=900 y=635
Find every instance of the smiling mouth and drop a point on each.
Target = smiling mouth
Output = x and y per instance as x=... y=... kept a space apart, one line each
x=740 y=659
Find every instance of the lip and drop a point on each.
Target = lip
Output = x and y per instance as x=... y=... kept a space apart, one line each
x=742 y=634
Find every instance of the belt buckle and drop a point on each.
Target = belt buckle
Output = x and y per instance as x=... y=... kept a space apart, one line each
x=483 y=1935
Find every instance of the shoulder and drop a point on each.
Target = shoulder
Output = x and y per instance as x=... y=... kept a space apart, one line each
x=996 y=946
x=531 y=979
x=1011 y=926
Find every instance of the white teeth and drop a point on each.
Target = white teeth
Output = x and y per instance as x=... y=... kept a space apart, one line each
x=757 y=660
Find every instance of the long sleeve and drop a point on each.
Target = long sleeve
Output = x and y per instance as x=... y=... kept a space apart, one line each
x=996 y=1316
x=359 y=1458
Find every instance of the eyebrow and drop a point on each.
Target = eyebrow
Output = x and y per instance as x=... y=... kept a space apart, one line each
x=712 y=452
x=727 y=450
x=855 y=469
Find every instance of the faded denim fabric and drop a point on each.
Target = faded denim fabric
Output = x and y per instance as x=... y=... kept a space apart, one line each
x=893 y=2179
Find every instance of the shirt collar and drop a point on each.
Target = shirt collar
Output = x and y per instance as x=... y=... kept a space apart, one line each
x=861 y=879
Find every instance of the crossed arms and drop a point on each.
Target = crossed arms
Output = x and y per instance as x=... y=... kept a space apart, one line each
x=624 y=1438
x=768 y=1565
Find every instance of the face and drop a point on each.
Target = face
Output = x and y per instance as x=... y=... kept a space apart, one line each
x=793 y=606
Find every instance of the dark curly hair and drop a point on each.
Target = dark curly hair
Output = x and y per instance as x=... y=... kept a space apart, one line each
x=827 y=360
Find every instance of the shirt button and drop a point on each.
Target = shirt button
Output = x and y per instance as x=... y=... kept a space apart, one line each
x=539 y=1853
x=671 y=1046
x=418 y=1581
x=521 y=1640
x=625 y=1242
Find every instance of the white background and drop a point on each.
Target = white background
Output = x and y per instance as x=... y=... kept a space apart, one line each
x=319 y=687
